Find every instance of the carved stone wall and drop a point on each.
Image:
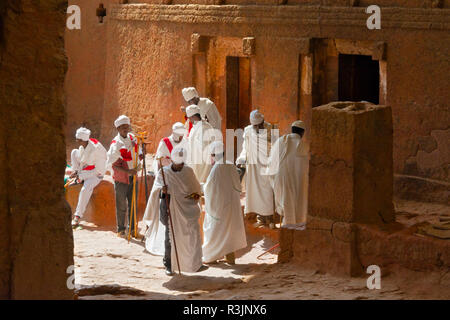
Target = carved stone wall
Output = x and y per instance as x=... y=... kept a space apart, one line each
x=36 y=243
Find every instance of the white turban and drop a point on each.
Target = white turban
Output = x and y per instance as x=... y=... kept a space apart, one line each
x=217 y=147
x=192 y=109
x=178 y=155
x=189 y=93
x=256 y=117
x=178 y=129
x=122 y=120
x=83 y=134
x=299 y=124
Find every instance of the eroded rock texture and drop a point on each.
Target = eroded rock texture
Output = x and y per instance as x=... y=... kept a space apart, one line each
x=36 y=243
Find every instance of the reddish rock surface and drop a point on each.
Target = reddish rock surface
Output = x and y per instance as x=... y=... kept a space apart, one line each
x=36 y=243
x=101 y=209
x=350 y=171
x=150 y=51
x=350 y=206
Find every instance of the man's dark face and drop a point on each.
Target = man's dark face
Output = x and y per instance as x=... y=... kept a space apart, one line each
x=298 y=131
x=195 y=117
x=123 y=130
x=177 y=139
x=82 y=143
x=258 y=127
x=194 y=100
x=177 y=166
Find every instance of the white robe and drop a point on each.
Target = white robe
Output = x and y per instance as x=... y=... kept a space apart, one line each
x=185 y=217
x=123 y=148
x=288 y=172
x=255 y=154
x=164 y=153
x=90 y=164
x=198 y=142
x=93 y=158
x=223 y=227
x=209 y=110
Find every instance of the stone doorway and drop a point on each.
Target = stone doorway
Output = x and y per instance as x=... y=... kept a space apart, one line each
x=238 y=95
x=359 y=78
x=238 y=92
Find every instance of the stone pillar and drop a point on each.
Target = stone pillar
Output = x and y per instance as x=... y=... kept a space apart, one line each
x=36 y=243
x=350 y=181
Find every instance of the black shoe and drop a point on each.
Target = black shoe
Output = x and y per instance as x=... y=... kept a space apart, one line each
x=169 y=272
x=202 y=268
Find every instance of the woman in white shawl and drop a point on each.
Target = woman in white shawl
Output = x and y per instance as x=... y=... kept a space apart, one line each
x=223 y=227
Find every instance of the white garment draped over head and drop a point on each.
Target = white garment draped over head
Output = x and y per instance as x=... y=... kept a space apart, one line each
x=255 y=153
x=288 y=173
x=223 y=227
x=198 y=142
x=209 y=110
x=163 y=153
x=185 y=215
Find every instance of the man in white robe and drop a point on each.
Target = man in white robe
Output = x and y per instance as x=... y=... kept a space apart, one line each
x=208 y=110
x=254 y=156
x=167 y=144
x=288 y=172
x=88 y=165
x=183 y=190
x=200 y=137
x=223 y=227
x=123 y=157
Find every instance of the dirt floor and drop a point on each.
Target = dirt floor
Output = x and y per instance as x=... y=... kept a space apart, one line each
x=108 y=267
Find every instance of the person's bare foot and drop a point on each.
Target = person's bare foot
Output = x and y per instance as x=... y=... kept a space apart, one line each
x=76 y=221
x=230 y=258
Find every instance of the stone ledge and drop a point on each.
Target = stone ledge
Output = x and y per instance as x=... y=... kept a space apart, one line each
x=324 y=246
x=414 y=18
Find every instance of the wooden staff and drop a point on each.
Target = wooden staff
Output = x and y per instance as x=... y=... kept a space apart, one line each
x=132 y=215
x=144 y=152
x=170 y=216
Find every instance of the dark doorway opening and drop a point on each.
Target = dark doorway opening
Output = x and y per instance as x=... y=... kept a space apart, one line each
x=239 y=97
x=238 y=92
x=359 y=78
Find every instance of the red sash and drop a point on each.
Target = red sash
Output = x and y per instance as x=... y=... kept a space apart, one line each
x=89 y=168
x=168 y=144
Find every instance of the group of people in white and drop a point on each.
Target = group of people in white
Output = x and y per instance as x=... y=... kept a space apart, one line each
x=189 y=164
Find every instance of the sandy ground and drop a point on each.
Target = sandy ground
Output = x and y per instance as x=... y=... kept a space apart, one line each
x=108 y=267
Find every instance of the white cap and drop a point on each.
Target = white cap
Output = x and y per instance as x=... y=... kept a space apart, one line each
x=192 y=109
x=217 y=147
x=189 y=93
x=83 y=134
x=256 y=117
x=299 y=124
x=178 y=155
x=178 y=129
x=122 y=120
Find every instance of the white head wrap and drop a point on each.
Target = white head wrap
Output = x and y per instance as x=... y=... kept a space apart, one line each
x=178 y=129
x=189 y=93
x=299 y=124
x=122 y=120
x=192 y=109
x=217 y=147
x=256 y=117
x=83 y=134
x=178 y=155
